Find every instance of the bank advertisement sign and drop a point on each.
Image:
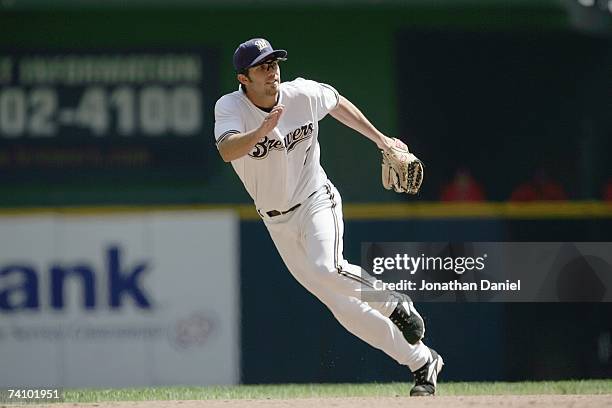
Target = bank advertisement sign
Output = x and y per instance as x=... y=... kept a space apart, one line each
x=119 y=300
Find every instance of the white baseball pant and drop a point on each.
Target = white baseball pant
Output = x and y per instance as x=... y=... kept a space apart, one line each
x=310 y=242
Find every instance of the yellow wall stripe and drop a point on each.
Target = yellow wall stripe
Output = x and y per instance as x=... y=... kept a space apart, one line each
x=356 y=211
x=536 y=210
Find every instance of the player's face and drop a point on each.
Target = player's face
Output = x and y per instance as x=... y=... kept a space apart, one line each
x=265 y=78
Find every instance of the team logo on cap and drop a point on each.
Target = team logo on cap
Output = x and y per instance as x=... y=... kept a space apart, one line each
x=261 y=44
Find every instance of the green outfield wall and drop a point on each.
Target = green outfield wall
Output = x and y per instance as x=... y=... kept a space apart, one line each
x=354 y=49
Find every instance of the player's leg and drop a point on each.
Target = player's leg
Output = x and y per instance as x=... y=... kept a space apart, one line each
x=338 y=285
x=356 y=316
x=315 y=220
x=317 y=237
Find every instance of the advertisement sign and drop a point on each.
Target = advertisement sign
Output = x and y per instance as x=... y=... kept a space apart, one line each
x=118 y=111
x=119 y=300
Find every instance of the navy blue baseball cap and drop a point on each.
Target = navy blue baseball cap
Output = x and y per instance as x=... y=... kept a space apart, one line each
x=254 y=51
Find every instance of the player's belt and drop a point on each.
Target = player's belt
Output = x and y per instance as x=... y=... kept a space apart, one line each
x=274 y=213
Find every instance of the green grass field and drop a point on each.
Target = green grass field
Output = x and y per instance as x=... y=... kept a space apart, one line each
x=335 y=390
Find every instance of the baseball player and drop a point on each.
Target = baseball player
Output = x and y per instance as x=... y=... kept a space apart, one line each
x=269 y=131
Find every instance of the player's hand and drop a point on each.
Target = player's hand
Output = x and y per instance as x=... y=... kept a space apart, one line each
x=388 y=143
x=271 y=120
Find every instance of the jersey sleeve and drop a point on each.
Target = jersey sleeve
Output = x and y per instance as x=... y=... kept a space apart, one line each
x=327 y=98
x=324 y=97
x=228 y=120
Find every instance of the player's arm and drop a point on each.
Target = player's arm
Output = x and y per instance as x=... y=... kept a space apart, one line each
x=239 y=144
x=348 y=114
x=402 y=171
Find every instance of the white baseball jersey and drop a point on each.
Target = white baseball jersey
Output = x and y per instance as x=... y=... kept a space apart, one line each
x=283 y=168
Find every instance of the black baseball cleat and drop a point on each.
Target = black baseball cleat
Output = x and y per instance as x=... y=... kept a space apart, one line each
x=407 y=319
x=426 y=377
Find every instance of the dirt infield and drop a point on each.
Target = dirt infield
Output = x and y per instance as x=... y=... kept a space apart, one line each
x=504 y=401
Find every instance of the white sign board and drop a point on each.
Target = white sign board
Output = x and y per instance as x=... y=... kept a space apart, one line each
x=119 y=300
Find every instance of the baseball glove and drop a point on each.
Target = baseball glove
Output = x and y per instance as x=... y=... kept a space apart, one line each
x=401 y=170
